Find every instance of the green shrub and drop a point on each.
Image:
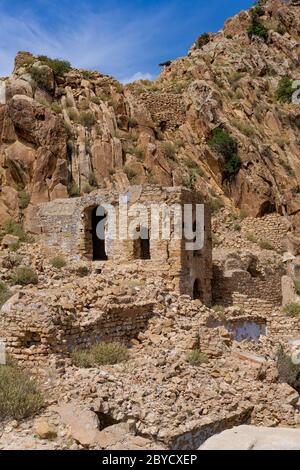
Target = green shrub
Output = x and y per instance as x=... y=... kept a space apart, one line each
x=82 y=271
x=11 y=227
x=189 y=181
x=202 y=40
x=251 y=238
x=100 y=354
x=73 y=189
x=87 y=119
x=266 y=245
x=5 y=294
x=220 y=311
x=56 y=108
x=138 y=152
x=222 y=142
x=87 y=74
x=237 y=227
x=132 y=123
x=11 y=261
x=292 y=310
x=245 y=128
x=192 y=165
x=40 y=79
x=58 y=262
x=20 y=397
x=167 y=63
x=24 y=199
x=59 y=67
x=196 y=358
x=216 y=204
x=169 y=150
x=285 y=90
x=24 y=275
x=87 y=188
x=129 y=172
x=257 y=29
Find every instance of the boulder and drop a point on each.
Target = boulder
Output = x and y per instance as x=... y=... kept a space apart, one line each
x=254 y=438
x=44 y=430
x=9 y=240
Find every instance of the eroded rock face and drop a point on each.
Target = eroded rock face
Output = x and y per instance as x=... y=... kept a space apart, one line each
x=158 y=132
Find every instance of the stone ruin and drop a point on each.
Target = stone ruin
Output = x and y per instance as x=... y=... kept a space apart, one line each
x=68 y=227
x=122 y=293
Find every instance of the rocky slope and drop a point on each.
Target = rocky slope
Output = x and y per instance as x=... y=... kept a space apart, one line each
x=68 y=131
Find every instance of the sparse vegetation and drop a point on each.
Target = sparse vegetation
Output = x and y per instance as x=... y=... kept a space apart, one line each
x=245 y=128
x=251 y=238
x=189 y=180
x=87 y=119
x=202 y=40
x=138 y=152
x=56 y=107
x=73 y=189
x=132 y=123
x=58 y=262
x=20 y=397
x=167 y=63
x=129 y=172
x=87 y=188
x=285 y=90
x=87 y=74
x=257 y=28
x=196 y=358
x=59 y=67
x=11 y=227
x=266 y=245
x=82 y=271
x=100 y=354
x=24 y=276
x=24 y=199
x=169 y=150
x=292 y=310
x=222 y=142
x=216 y=204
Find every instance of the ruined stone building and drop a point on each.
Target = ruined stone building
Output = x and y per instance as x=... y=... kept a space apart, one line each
x=68 y=227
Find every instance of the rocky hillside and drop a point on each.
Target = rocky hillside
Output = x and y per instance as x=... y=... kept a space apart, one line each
x=220 y=120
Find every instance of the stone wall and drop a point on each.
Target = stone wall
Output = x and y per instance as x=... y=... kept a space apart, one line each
x=239 y=281
x=33 y=331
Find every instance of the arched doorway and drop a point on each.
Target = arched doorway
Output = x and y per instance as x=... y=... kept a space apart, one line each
x=99 y=249
x=197 y=290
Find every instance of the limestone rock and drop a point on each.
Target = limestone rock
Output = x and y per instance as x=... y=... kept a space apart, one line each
x=44 y=430
x=254 y=438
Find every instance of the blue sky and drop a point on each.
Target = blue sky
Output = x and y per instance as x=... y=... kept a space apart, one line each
x=126 y=39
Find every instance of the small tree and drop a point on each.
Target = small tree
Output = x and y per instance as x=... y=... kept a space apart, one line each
x=285 y=90
x=223 y=143
x=202 y=40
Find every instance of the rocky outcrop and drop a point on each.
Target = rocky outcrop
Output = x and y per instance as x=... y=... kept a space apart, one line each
x=66 y=133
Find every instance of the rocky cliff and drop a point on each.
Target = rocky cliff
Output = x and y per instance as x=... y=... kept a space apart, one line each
x=220 y=120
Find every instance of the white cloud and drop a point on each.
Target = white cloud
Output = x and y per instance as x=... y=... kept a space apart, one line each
x=138 y=76
x=113 y=42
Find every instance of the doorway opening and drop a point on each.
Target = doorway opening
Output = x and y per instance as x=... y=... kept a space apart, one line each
x=99 y=248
